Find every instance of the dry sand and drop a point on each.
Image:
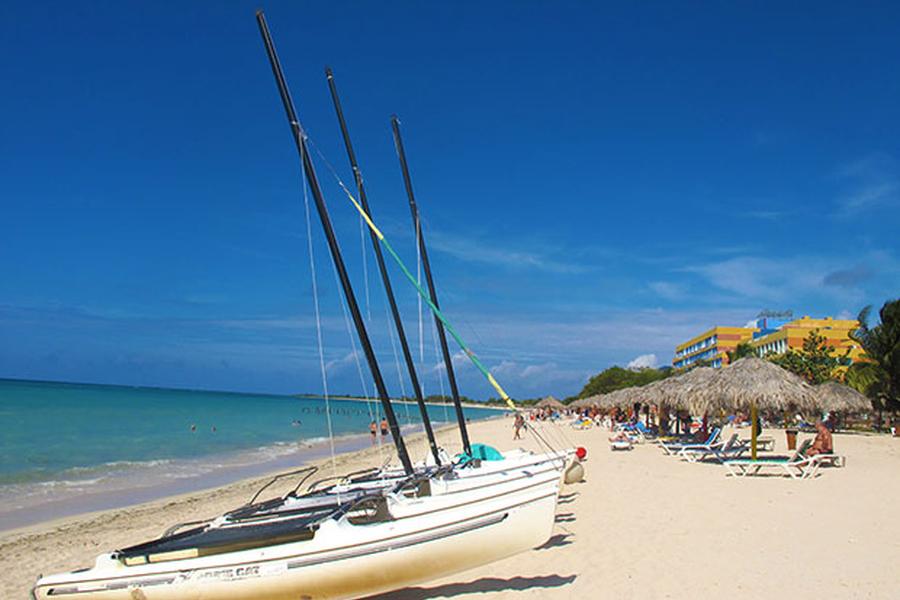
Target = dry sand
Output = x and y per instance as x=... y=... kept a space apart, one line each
x=642 y=525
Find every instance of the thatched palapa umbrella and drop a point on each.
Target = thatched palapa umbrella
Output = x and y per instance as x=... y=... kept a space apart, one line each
x=755 y=383
x=622 y=398
x=684 y=391
x=550 y=402
x=586 y=402
x=834 y=396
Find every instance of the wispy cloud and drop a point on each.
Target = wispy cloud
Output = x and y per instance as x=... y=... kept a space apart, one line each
x=870 y=182
x=475 y=250
x=797 y=278
x=668 y=290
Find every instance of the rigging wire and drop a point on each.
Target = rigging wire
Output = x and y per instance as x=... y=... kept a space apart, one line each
x=390 y=329
x=315 y=288
x=434 y=309
x=359 y=369
x=440 y=378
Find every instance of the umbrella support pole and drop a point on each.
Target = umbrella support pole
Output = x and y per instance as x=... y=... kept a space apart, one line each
x=753 y=432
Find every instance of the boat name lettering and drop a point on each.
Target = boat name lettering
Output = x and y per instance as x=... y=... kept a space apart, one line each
x=231 y=573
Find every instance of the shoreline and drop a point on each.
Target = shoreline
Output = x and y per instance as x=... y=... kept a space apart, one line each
x=633 y=515
x=73 y=541
x=131 y=490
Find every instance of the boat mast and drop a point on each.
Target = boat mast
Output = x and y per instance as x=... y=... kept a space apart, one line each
x=385 y=278
x=442 y=336
x=300 y=141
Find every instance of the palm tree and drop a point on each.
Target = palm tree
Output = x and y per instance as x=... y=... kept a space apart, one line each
x=877 y=374
x=740 y=351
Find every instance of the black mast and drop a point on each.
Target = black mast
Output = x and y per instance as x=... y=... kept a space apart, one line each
x=448 y=362
x=300 y=140
x=385 y=278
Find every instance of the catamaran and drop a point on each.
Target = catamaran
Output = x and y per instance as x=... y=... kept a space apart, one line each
x=369 y=532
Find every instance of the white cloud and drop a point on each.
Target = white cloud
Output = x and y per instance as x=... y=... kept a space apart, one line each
x=474 y=250
x=339 y=364
x=845 y=315
x=799 y=279
x=644 y=361
x=458 y=359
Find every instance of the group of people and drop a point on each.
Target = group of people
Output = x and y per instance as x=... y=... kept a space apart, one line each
x=374 y=426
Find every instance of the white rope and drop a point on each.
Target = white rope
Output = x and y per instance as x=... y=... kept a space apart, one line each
x=400 y=378
x=346 y=312
x=359 y=369
x=438 y=357
x=315 y=287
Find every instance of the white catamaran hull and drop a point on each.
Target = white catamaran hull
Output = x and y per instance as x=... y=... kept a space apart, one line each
x=426 y=538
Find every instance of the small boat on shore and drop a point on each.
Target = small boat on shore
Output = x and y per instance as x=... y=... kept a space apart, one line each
x=369 y=544
x=367 y=533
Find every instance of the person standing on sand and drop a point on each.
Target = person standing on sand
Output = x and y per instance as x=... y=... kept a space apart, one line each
x=373 y=429
x=384 y=427
x=517 y=425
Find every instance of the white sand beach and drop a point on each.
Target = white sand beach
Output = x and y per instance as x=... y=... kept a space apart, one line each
x=642 y=525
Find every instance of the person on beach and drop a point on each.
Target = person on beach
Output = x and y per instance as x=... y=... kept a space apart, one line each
x=373 y=429
x=518 y=425
x=384 y=427
x=823 y=444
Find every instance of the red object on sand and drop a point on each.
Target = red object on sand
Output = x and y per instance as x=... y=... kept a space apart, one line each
x=580 y=452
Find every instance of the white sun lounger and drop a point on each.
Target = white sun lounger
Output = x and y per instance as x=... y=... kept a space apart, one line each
x=797 y=466
x=675 y=448
x=730 y=449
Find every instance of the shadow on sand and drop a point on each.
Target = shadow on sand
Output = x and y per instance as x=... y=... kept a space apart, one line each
x=556 y=541
x=567 y=498
x=485 y=584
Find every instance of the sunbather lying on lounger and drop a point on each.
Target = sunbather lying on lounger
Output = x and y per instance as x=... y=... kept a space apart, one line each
x=823 y=443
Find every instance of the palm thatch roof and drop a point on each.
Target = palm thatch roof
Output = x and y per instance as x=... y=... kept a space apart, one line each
x=550 y=402
x=683 y=391
x=622 y=398
x=676 y=392
x=834 y=396
x=750 y=381
x=586 y=402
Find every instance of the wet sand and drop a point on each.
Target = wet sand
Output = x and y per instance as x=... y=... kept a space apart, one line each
x=642 y=525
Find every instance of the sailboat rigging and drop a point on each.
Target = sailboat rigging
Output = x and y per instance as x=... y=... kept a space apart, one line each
x=432 y=292
x=309 y=171
x=385 y=277
x=473 y=358
x=371 y=531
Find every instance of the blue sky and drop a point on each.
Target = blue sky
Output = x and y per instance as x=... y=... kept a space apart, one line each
x=598 y=182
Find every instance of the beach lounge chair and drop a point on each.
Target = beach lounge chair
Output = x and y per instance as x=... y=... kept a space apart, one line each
x=674 y=448
x=797 y=466
x=763 y=442
x=732 y=448
x=621 y=445
x=643 y=432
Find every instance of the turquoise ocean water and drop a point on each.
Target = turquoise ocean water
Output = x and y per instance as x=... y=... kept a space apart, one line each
x=61 y=441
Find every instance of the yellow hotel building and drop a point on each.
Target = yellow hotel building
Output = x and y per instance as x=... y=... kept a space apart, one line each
x=712 y=346
x=791 y=335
